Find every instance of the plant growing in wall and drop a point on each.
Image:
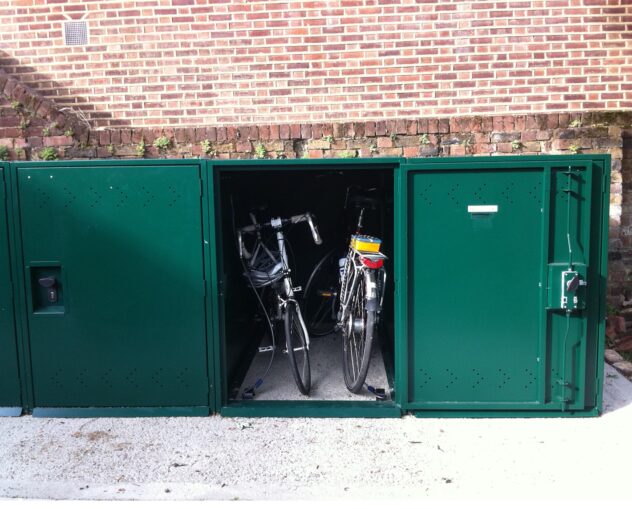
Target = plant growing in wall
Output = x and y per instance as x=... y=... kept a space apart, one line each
x=48 y=154
x=575 y=123
x=373 y=148
x=329 y=138
x=516 y=145
x=467 y=144
x=16 y=106
x=46 y=131
x=349 y=154
x=424 y=139
x=141 y=148
x=260 y=151
x=207 y=148
x=69 y=133
x=574 y=149
x=111 y=149
x=162 y=143
x=4 y=153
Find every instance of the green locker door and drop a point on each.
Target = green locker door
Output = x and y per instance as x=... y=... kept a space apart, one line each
x=114 y=273
x=10 y=399
x=486 y=247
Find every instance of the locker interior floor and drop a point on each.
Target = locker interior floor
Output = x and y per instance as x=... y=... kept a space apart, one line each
x=326 y=371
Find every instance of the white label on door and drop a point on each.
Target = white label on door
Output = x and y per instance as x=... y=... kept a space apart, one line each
x=482 y=209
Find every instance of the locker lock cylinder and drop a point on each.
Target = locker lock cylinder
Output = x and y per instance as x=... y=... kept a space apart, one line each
x=50 y=283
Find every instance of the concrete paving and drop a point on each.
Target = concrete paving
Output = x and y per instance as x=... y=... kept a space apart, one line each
x=221 y=458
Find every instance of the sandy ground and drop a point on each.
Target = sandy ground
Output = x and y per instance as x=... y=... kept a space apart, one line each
x=221 y=458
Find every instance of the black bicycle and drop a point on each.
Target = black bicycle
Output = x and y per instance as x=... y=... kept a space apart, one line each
x=267 y=267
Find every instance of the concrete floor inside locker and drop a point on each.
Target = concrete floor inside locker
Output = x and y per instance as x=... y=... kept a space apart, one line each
x=326 y=374
x=245 y=458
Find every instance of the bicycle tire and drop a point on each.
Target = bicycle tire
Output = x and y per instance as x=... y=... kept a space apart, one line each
x=356 y=344
x=320 y=311
x=297 y=350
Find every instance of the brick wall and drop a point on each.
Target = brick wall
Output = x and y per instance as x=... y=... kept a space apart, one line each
x=178 y=63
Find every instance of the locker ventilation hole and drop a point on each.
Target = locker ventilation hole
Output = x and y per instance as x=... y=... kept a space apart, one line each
x=82 y=378
x=478 y=378
x=159 y=378
x=148 y=196
x=480 y=193
x=508 y=192
x=503 y=377
x=44 y=200
x=183 y=377
x=122 y=198
x=96 y=197
x=131 y=378
x=534 y=194
x=424 y=194
x=530 y=377
x=56 y=379
x=106 y=378
x=450 y=377
x=175 y=196
x=70 y=197
x=452 y=193
x=424 y=378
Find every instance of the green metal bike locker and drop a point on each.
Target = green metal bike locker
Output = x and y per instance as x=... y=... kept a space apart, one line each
x=10 y=392
x=289 y=187
x=128 y=291
x=503 y=278
x=114 y=270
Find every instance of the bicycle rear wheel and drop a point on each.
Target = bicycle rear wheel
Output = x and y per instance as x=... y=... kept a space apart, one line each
x=296 y=342
x=357 y=334
x=320 y=297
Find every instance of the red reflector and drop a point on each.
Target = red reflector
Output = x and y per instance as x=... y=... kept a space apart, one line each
x=377 y=264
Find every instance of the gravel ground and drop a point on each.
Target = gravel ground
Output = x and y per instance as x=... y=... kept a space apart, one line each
x=222 y=458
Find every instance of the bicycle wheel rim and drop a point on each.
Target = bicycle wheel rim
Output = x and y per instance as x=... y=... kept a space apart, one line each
x=358 y=337
x=297 y=351
x=319 y=312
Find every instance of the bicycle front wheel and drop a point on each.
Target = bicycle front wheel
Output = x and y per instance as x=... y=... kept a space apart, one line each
x=357 y=333
x=296 y=342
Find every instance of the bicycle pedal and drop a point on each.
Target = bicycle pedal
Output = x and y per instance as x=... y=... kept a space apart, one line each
x=297 y=289
x=264 y=349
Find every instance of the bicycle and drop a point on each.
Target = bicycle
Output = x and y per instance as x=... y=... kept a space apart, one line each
x=269 y=268
x=346 y=295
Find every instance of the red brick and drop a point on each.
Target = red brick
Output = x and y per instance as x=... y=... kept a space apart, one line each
x=295 y=131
